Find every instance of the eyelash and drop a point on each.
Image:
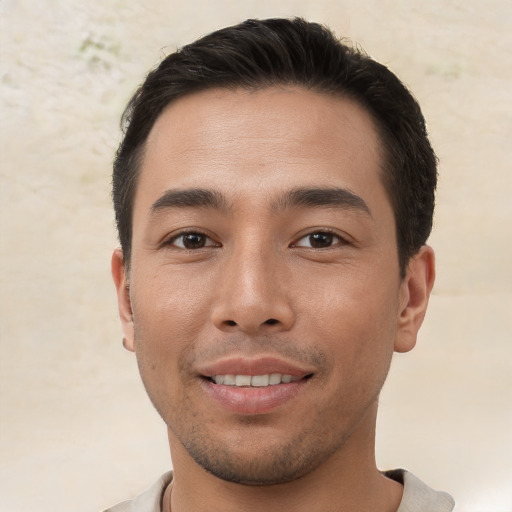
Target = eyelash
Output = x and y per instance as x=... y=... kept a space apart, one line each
x=324 y=231
x=172 y=241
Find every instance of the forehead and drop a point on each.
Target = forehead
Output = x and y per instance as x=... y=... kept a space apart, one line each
x=253 y=140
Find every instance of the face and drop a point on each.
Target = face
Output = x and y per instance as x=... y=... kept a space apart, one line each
x=264 y=299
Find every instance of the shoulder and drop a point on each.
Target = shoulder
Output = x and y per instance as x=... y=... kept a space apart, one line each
x=418 y=496
x=149 y=501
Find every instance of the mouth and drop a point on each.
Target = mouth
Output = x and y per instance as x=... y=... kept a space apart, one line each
x=246 y=386
x=255 y=381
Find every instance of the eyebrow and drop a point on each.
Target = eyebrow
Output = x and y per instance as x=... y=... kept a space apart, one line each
x=322 y=197
x=297 y=197
x=190 y=198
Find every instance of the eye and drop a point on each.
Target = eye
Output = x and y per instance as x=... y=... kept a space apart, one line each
x=319 y=240
x=192 y=240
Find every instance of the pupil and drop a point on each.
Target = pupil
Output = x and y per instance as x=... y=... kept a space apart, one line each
x=193 y=241
x=319 y=240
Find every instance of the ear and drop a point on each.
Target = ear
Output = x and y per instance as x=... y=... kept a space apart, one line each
x=414 y=294
x=123 y=298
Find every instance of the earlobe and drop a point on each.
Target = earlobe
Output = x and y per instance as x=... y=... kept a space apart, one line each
x=414 y=295
x=123 y=298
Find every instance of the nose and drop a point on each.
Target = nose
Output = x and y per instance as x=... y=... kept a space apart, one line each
x=253 y=293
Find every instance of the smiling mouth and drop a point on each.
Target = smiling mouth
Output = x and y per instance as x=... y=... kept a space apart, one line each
x=255 y=381
x=254 y=387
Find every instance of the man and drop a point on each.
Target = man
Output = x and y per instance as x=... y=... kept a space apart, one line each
x=274 y=192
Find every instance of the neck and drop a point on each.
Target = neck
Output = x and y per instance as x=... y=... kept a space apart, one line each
x=348 y=480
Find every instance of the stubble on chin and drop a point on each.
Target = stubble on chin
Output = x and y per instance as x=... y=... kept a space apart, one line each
x=247 y=464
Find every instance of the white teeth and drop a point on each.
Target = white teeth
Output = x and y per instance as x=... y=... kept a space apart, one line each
x=243 y=380
x=229 y=380
x=275 y=378
x=259 y=381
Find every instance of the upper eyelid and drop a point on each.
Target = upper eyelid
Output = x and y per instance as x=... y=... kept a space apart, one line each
x=170 y=239
x=175 y=236
x=343 y=237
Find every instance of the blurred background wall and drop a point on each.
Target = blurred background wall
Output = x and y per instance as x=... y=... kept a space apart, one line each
x=76 y=429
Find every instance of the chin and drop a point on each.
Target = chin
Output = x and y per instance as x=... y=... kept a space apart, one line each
x=250 y=460
x=255 y=472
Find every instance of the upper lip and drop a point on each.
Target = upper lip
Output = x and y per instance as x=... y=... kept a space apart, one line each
x=253 y=366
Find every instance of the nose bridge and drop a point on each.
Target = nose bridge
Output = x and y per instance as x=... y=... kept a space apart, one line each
x=256 y=266
x=252 y=295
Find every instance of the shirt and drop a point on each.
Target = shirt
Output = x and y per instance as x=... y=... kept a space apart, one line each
x=417 y=496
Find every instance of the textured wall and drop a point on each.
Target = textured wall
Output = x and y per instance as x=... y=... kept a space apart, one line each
x=76 y=430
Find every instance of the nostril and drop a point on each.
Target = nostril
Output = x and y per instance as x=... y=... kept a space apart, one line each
x=231 y=323
x=272 y=321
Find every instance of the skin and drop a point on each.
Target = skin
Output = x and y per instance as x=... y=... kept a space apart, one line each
x=257 y=284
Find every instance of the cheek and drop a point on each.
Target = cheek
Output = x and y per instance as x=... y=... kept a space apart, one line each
x=356 y=318
x=170 y=300
x=169 y=313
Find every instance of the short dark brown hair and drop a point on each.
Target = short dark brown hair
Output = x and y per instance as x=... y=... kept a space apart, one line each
x=264 y=53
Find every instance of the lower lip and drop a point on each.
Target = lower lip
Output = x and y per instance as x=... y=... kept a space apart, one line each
x=248 y=400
